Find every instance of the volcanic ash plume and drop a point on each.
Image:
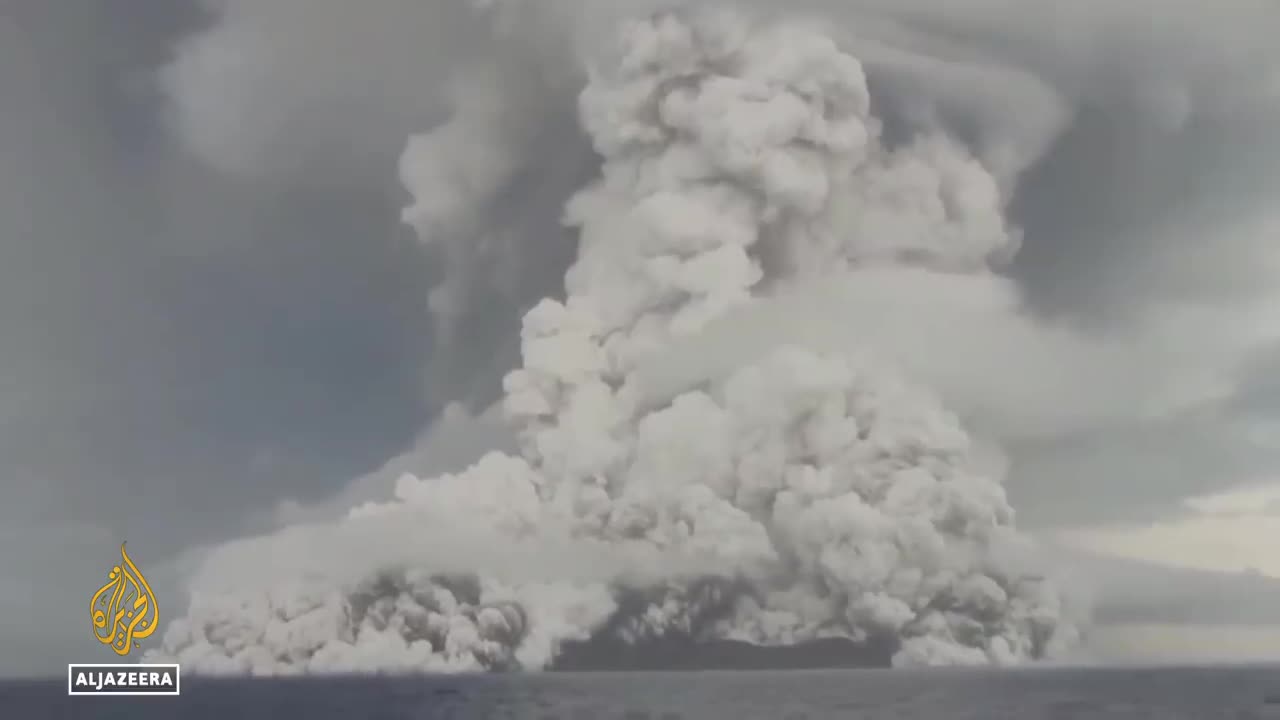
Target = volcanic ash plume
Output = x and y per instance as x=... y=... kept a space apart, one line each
x=802 y=496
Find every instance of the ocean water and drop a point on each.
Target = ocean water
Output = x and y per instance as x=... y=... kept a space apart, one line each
x=1159 y=694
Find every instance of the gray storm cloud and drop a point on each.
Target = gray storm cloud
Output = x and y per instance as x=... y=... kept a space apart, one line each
x=797 y=279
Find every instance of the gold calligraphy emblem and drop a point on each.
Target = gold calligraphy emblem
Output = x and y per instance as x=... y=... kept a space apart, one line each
x=124 y=610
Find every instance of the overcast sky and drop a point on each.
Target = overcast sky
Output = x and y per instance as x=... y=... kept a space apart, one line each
x=208 y=304
x=179 y=348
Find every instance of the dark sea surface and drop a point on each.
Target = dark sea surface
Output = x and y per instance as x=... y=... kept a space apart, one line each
x=1159 y=694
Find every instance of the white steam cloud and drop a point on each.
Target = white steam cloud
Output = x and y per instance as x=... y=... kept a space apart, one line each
x=797 y=494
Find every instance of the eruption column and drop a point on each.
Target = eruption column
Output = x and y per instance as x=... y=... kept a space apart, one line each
x=800 y=497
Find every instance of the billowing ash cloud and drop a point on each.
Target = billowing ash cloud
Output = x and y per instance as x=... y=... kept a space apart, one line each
x=795 y=496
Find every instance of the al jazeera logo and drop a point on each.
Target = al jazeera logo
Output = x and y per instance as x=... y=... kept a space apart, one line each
x=123 y=611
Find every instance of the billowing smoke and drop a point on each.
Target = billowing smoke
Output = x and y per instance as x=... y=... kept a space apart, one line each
x=792 y=497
